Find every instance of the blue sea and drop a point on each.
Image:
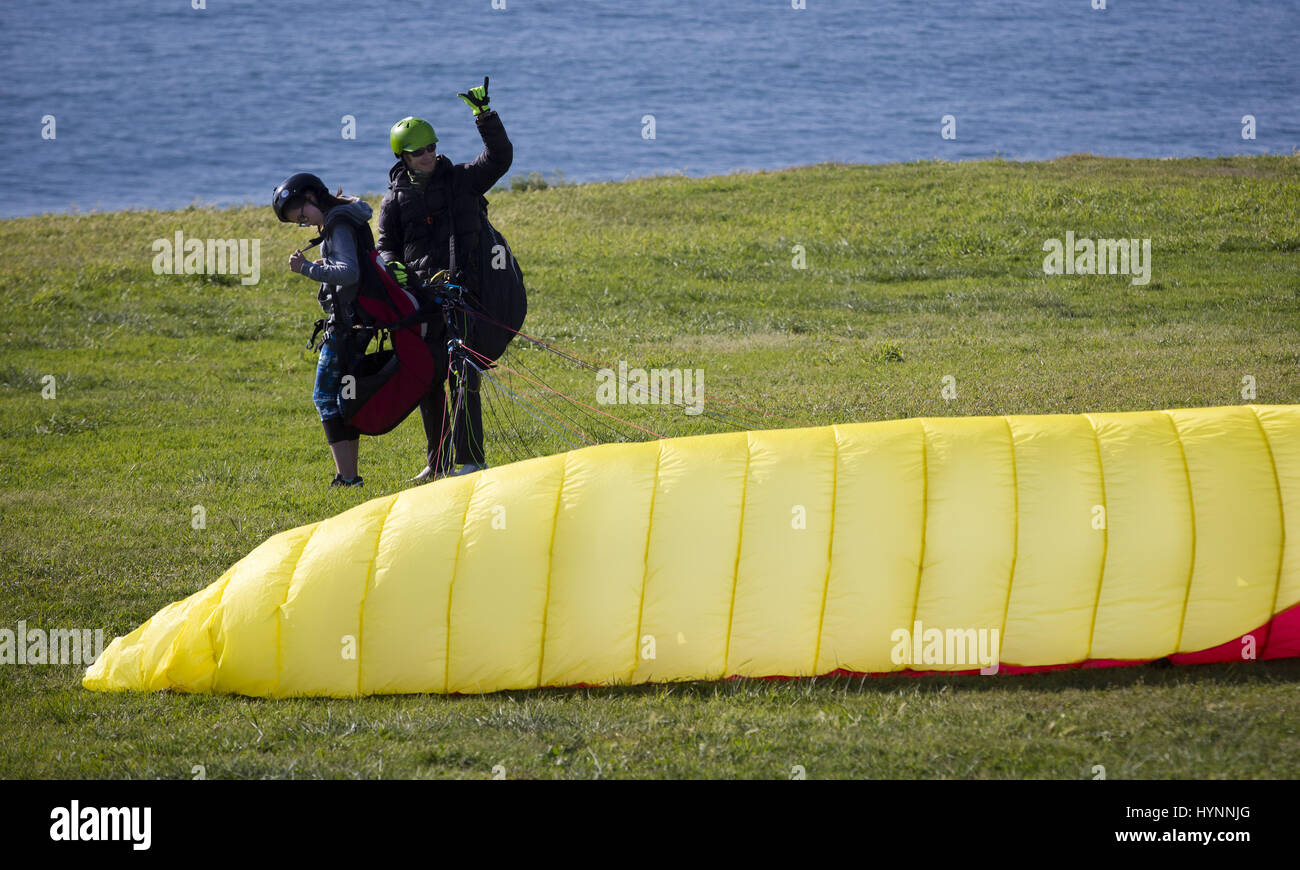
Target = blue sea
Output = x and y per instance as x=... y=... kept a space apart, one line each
x=160 y=105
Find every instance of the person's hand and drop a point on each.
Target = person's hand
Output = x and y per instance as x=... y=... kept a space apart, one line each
x=296 y=259
x=398 y=268
x=477 y=98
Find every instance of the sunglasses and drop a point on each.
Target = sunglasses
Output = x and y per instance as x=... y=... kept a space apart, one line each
x=428 y=149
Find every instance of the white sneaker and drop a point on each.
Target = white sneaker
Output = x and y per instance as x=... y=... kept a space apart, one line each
x=429 y=474
x=468 y=469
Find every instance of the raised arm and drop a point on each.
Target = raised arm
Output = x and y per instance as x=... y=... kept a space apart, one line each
x=497 y=153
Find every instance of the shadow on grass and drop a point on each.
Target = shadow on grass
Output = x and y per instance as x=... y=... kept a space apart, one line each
x=1155 y=674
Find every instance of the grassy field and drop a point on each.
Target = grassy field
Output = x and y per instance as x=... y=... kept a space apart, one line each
x=181 y=391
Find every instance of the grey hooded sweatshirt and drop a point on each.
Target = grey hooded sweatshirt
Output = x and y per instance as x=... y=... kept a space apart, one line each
x=341 y=270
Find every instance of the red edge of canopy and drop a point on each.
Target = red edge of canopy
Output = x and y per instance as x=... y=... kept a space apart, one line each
x=1279 y=638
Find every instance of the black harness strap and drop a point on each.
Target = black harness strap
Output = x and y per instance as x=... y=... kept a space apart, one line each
x=451 y=229
x=320 y=327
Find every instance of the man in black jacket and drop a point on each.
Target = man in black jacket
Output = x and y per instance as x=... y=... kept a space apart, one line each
x=428 y=197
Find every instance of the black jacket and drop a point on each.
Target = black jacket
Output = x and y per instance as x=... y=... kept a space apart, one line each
x=414 y=225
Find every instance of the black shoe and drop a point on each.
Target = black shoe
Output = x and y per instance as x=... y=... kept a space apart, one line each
x=340 y=480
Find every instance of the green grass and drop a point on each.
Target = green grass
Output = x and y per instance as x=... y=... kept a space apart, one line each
x=176 y=391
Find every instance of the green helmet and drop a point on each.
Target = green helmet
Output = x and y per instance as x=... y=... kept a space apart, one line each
x=410 y=134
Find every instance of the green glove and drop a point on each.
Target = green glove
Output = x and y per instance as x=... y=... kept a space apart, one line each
x=399 y=271
x=477 y=98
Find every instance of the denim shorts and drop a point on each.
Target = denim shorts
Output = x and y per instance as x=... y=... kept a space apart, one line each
x=329 y=378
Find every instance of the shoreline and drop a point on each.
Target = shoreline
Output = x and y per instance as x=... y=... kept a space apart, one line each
x=559 y=179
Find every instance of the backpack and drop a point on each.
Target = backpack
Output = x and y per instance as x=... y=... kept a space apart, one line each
x=501 y=301
x=380 y=389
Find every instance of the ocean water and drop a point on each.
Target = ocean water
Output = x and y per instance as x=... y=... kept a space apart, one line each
x=159 y=105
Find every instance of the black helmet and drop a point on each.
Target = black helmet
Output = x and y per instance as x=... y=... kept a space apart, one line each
x=294 y=188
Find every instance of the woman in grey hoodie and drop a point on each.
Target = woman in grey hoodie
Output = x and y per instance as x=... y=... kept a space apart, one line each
x=303 y=199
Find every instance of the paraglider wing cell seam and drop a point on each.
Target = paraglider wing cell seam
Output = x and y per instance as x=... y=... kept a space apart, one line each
x=1105 y=532
x=1281 y=513
x=925 y=521
x=830 y=544
x=1191 y=508
x=370 y=579
x=1015 y=524
x=212 y=623
x=550 y=565
x=645 y=571
x=740 y=541
x=279 y=611
x=451 y=587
